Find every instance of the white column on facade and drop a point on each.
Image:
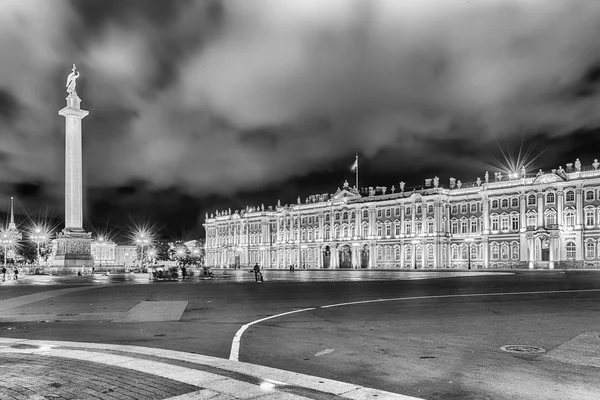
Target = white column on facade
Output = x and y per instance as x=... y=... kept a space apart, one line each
x=579 y=207
x=402 y=229
x=560 y=202
x=523 y=210
x=540 y=209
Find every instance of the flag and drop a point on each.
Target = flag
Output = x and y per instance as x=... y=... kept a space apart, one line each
x=354 y=166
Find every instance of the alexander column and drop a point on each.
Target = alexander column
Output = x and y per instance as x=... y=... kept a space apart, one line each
x=73 y=243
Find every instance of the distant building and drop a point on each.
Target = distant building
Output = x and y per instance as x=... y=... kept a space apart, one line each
x=538 y=220
x=126 y=254
x=104 y=252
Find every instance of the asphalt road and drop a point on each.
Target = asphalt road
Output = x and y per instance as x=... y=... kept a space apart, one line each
x=446 y=347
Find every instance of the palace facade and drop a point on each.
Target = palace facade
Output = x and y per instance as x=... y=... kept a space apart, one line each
x=544 y=220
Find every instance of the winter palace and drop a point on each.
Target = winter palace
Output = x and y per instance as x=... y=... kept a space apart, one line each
x=546 y=219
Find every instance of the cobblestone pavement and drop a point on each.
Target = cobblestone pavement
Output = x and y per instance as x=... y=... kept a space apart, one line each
x=29 y=376
x=39 y=370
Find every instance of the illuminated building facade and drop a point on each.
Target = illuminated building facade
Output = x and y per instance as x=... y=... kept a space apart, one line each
x=544 y=220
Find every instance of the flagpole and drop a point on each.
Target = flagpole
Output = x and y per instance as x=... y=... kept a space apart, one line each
x=357 y=189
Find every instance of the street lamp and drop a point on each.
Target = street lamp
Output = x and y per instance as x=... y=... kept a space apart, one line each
x=142 y=239
x=38 y=236
x=6 y=241
x=469 y=241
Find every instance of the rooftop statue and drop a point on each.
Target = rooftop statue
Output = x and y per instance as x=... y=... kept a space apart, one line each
x=402 y=186
x=487 y=177
x=578 y=165
x=436 y=181
x=299 y=200
x=595 y=164
x=72 y=81
x=478 y=181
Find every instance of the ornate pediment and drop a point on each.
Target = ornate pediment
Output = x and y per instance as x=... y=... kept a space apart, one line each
x=548 y=177
x=346 y=194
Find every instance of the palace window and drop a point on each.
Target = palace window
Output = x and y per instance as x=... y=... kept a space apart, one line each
x=379 y=230
x=430 y=208
x=590 y=219
x=344 y=232
x=397 y=211
x=463 y=251
x=504 y=203
x=571 y=249
x=531 y=200
x=365 y=231
x=408 y=227
x=505 y=253
x=303 y=235
x=550 y=218
x=589 y=195
x=419 y=252
x=396 y=252
x=570 y=196
x=473 y=207
x=514 y=222
x=365 y=214
x=327 y=236
x=504 y=222
x=550 y=198
x=397 y=229
x=514 y=249
x=494 y=222
x=454 y=252
x=495 y=252
x=408 y=210
x=379 y=213
x=494 y=203
x=303 y=220
x=454 y=225
x=418 y=227
x=408 y=252
x=454 y=210
x=430 y=226
x=430 y=252
x=419 y=210
x=337 y=216
x=570 y=218
x=379 y=253
x=388 y=252
x=463 y=208
x=353 y=216
x=464 y=228
x=345 y=216
x=388 y=212
x=327 y=217
x=388 y=229
x=532 y=219
x=514 y=202
x=473 y=249
x=316 y=233
x=473 y=225
x=590 y=250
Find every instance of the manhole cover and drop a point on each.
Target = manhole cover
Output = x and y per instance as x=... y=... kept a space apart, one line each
x=523 y=349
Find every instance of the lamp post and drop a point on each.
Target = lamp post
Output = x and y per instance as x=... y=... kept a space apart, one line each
x=38 y=236
x=7 y=241
x=143 y=240
x=469 y=241
x=102 y=244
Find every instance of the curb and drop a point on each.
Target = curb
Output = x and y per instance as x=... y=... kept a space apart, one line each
x=258 y=381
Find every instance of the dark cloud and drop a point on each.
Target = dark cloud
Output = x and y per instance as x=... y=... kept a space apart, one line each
x=221 y=97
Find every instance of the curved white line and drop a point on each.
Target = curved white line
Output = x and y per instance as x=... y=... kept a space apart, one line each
x=445 y=296
x=235 y=344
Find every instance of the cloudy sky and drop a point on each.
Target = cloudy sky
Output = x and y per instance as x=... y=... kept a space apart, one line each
x=197 y=105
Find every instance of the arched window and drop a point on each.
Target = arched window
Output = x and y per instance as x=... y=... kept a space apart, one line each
x=388 y=252
x=494 y=203
x=419 y=209
x=344 y=231
x=464 y=227
x=495 y=251
x=473 y=248
x=505 y=253
x=454 y=210
x=316 y=233
x=531 y=200
x=337 y=216
x=514 y=202
x=408 y=227
x=589 y=195
x=532 y=219
x=570 y=218
x=550 y=198
x=514 y=249
x=454 y=252
x=590 y=217
x=365 y=231
x=353 y=216
x=327 y=235
x=419 y=252
x=396 y=229
x=463 y=208
x=430 y=252
x=327 y=217
x=454 y=226
x=430 y=208
x=388 y=229
x=365 y=214
x=463 y=251
x=473 y=225
x=571 y=250
x=345 y=216
x=379 y=253
x=396 y=253
x=408 y=252
x=504 y=203
x=418 y=227
x=550 y=217
x=590 y=250
x=379 y=230
x=570 y=196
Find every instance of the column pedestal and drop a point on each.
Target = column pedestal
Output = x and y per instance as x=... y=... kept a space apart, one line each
x=73 y=252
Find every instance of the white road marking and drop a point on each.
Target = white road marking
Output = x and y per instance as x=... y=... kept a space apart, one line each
x=235 y=344
x=322 y=353
x=446 y=296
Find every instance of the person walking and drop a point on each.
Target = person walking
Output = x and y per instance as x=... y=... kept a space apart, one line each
x=183 y=272
x=3 y=273
x=16 y=273
x=93 y=270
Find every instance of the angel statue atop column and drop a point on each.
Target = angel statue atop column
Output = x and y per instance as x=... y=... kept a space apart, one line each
x=72 y=80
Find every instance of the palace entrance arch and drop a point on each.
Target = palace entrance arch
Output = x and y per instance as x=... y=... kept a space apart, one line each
x=327 y=257
x=364 y=257
x=345 y=253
